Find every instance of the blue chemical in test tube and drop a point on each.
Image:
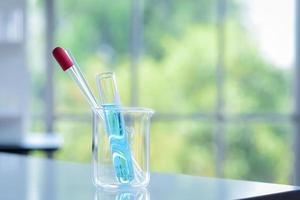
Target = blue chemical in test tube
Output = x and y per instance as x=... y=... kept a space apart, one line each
x=115 y=127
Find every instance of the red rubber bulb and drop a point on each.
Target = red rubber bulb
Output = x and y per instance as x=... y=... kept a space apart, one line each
x=63 y=58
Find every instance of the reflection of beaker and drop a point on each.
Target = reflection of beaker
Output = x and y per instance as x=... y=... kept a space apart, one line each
x=131 y=194
x=136 y=123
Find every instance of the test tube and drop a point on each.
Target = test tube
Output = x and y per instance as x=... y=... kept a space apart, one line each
x=118 y=137
x=108 y=90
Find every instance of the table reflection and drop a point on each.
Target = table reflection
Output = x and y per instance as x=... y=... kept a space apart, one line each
x=122 y=194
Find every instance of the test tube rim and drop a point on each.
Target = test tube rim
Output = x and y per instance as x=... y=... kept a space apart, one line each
x=130 y=109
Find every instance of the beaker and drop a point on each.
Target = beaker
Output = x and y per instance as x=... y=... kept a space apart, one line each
x=120 y=146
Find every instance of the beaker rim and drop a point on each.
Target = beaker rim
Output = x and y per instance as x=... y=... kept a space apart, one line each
x=132 y=109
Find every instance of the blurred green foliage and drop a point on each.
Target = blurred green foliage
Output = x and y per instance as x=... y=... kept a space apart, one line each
x=177 y=75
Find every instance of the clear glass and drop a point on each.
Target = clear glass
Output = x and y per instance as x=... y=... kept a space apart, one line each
x=121 y=155
x=80 y=81
x=107 y=87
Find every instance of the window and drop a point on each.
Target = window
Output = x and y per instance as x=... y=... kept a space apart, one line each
x=218 y=73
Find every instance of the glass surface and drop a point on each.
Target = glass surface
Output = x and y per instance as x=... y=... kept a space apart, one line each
x=36 y=178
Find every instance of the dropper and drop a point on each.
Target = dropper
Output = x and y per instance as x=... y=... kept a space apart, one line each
x=69 y=64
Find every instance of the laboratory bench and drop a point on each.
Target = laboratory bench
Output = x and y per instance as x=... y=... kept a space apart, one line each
x=31 y=178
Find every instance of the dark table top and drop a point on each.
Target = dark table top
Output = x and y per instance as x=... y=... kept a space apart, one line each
x=24 y=177
x=38 y=142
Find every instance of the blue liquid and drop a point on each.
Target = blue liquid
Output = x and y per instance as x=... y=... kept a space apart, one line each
x=118 y=139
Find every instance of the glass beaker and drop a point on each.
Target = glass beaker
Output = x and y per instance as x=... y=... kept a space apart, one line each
x=121 y=147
